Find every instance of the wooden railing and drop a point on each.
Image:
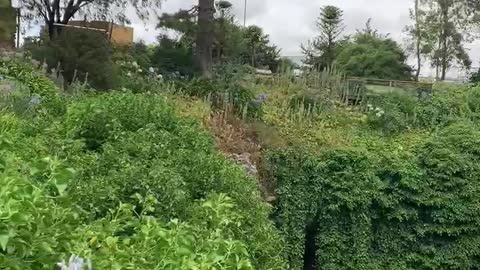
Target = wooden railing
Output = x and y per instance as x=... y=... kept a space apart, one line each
x=391 y=83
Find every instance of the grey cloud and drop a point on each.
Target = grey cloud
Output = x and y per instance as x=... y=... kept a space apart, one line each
x=290 y=23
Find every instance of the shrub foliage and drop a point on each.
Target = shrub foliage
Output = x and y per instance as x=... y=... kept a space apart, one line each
x=122 y=180
x=382 y=207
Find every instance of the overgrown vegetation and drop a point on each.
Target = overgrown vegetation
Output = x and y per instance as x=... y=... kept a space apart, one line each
x=117 y=173
x=180 y=155
x=387 y=188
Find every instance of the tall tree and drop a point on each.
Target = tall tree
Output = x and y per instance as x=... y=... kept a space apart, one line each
x=258 y=49
x=7 y=25
x=321 y=52
x=231 y=42
x=452 y=22
x=420 y=41
x=53 y=12
x=205 y=36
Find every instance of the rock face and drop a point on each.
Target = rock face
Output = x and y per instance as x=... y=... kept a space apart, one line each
x=246 y=161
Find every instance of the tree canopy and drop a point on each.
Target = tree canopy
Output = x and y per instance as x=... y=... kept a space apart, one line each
x=449 y=23
x=231 y=42
x=372 y=55
x=321 y=52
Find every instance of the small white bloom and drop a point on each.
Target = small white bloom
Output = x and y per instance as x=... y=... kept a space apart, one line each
x=135 y=65
x=75 y=263
x=140 y=70
x=151 y=69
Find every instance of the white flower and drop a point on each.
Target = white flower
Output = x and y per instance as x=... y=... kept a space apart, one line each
x=151 y=69
x=139 y=70
x=75 y=263
x=129 y=74
x=135 y=65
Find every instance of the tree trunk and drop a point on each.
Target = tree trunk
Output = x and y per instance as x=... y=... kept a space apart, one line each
x=7 y=26
x=419 y=37
x=205 y=35
x=254 y=56
x=444 y=38
x=51 y=30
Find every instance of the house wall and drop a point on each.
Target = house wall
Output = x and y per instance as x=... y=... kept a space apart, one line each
x=121 y=35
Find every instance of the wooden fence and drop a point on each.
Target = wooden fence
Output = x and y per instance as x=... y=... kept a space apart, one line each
x=392 y=83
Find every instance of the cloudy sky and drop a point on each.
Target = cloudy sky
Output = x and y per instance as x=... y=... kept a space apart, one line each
x=291 y=22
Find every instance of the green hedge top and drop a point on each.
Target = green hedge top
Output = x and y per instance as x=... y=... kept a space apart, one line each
x=383 y=208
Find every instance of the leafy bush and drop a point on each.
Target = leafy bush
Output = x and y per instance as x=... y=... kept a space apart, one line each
x=80 y=53
x=135 y=76
x=445 y=107
x=95 y=120
x=120 y=239
x=172 y=56
x=37 y=231
x=144 y=148
x=222 y=93
x=392 y=113
x=381 y=206
x=34 y=229
x=36 y=83
x=148 y=190
x=370 y=55
x=475 y=77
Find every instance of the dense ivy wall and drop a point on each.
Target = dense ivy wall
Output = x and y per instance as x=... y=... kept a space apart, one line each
x=381 y=206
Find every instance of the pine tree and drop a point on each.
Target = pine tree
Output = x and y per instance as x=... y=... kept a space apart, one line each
x=321 y=52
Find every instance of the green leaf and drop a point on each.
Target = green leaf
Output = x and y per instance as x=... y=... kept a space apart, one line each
x=3 y=164
x=4 y=241
x=183 y=251
x=63 y=176
x=61 y=188
x=111 y=241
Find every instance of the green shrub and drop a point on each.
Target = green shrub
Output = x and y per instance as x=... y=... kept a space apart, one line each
x=95 y=120
x=443 y=108
x=143 y=148
x=36 y=83
x=120 y=240
x=82 y=55
x=385 y=207
x=221 y=94
x=37 y=230
x=392 y=113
